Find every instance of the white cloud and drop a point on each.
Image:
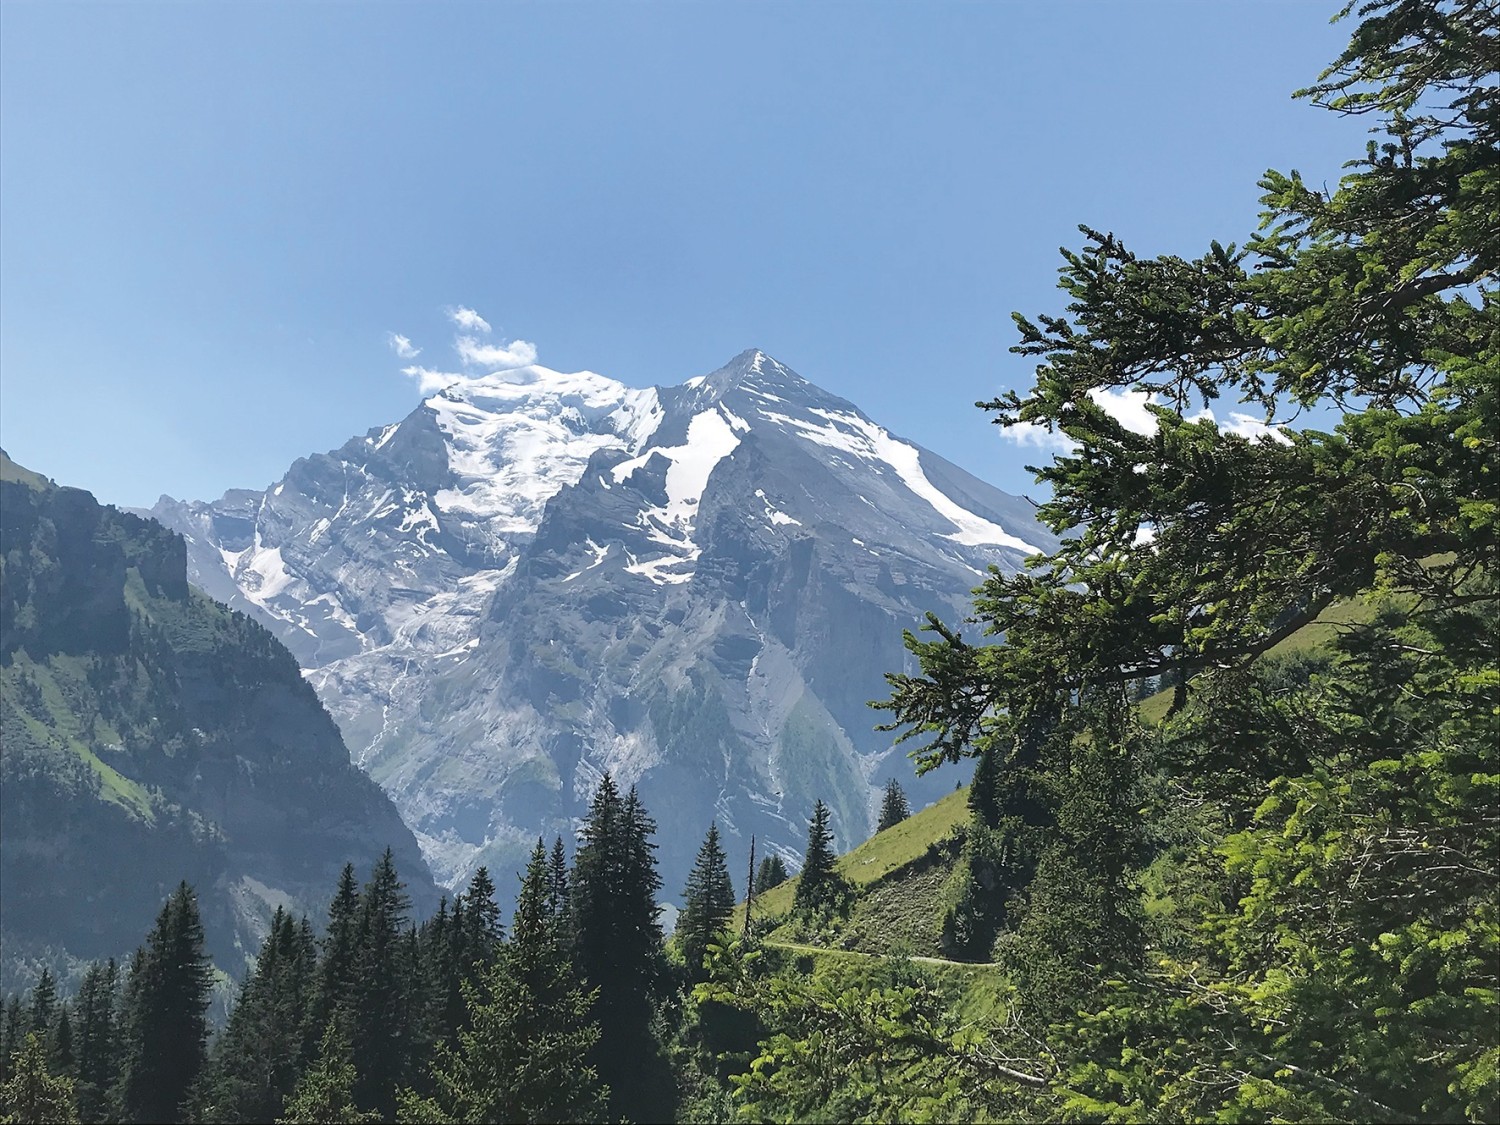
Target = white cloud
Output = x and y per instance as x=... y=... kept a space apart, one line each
x=402 y=346
x=1036 y=436
x=473 y=353
x=429 y=380
x=1248 y=426
x=478 y=357
x=468 y=319
x=1126 y=406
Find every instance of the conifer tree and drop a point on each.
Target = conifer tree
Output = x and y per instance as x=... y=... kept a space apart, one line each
x=443 y=955
x=894 y=807
x=337 y=966
x=165 y=1028
x=559 y=895
x=380 y=1038
x=820 y=886
x=60 y=1049
x=482 y=918
x=325 y=1094
x=772 y=872
x=708 y=901
x=530 y=1025
x=265 y=1047
x=618 y=945
x=43 y=1005
x=12 y=1037
x=95 y=1040
x=32 y=1094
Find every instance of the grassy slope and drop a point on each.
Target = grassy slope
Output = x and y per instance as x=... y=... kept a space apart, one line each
x=898 y=874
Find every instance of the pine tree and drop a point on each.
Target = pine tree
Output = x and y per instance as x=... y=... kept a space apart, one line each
x=95 y=1040
x=772 y=872
x=380 y=1038
x=559 y=895
x=325 y=1094
x=618 y=946
x=482 y=918
x=43 y=1005
x=820 y=886
x=894 y=807
x=708 y=901
x=32 y=1094
x=264 y=1047
x=12 y=1037
x=165 y=1030
x=337 y=967
x=529 y=1027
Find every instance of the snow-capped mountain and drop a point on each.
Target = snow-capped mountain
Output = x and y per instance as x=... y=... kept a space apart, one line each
x=536 y=577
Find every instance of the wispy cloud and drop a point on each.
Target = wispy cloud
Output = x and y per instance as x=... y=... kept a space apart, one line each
x=495 y=357
x=1032 y=435
x=469 y=320
x=429 y=381
x=402 y=345
x=477 y=357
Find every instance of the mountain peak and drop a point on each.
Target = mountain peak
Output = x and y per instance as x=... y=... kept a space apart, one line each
x=751 y=368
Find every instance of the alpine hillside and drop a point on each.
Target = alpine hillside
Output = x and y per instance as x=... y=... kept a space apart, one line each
x=537 y=577
x=151 y=736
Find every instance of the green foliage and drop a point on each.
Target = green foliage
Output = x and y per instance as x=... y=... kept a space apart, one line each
x=617 y=946
x=33 y=1094
x=708 y=903
x=324 y=1095
x=164 y=1032
x=772 y=872
x=529 y=1025
x=1323 y=903
x=854 y=1044
x=820 y=887
x=894 y=807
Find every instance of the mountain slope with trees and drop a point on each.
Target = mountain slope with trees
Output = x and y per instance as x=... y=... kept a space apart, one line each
x=151 y=735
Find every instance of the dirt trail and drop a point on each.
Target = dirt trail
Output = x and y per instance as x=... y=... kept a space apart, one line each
x=877 y=956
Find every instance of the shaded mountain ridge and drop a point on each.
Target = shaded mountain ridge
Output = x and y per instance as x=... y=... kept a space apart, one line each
x=151 y=735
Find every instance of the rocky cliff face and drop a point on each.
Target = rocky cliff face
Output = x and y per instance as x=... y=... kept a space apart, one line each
x=537 y=577
x=151 y=735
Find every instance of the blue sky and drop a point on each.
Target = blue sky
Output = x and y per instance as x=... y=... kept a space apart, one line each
x=212 y=217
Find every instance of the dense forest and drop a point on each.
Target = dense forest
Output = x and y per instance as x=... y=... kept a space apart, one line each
x=1231 y=845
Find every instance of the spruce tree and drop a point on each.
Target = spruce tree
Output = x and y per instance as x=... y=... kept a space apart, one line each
x=165 y=1028
x=380 y=1038
x=894 y=808
x=708 y=901
x=559 y=896
x=618 y=945
x=530 y=1025
x=95 y=1047
x=264 y=1047
x=12 y=1037
x=324 y=1095
x=60 y=1049
x=337 y=967
x=482 y=918
x=43 y=1005
x=772 y=872
x=820 y=886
